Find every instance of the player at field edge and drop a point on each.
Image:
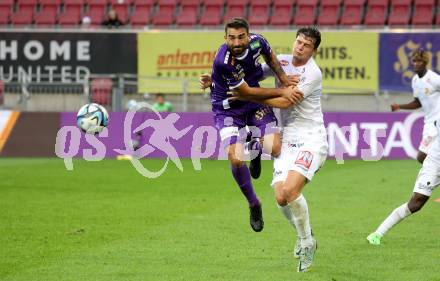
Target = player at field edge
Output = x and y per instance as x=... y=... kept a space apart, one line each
x=426 y=91
x=427 y=180
x=236 y=67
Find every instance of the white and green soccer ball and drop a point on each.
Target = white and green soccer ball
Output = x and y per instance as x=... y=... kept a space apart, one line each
x=92 y=118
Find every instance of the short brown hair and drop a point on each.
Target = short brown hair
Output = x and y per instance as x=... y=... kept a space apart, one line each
x=237 y=23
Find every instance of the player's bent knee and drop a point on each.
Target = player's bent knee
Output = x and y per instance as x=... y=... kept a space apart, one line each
x=281 y=200
x=276 y=149
x=235 y=161
x=415 y=206
x=421 y=157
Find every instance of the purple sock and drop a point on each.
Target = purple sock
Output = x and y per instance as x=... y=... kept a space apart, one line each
x=243 y=178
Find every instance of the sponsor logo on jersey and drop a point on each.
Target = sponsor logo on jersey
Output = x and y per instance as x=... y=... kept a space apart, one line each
x=255 y=45
x=304 y=159
x=295 y=145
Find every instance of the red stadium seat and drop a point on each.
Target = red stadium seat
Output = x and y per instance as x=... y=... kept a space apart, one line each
x=144 y=3
x=305 y=12
x=101 y=91
x=22 y=17
x=141 y=16
x=423 y=12
x=233 y=12
x=165 y=16
x=400 y=12
x=329 y=12
x=167 y=3
x=285 y=3
x=187 y=16
x=241 y=3
x=5 y=15
x=96 y=15
x=211 y=3
x=212 y=16
x=352 y=13
x=281 y=16
x=101 y=3
x=27 y=4
x=376 y=13
x=122 y=11
x=6 y=3
x=70 y=17
x=46 y=17
x=259 y=15
x=192 y=3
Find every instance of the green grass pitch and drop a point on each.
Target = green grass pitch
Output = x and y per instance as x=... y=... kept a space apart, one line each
x=104 y=221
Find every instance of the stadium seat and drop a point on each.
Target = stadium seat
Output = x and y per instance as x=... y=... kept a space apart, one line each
x=284 y=3
x=305 y=12
x=190 y=3
x=399 y=12
x=73 y=6
x=165 y=16
x=140 y=16
x=329 y=12
x=5 y=15
x=96 y=15
x=187 y=16
x=46 y=17
x=27 y=4
x=101 y=90
x=122 y=11
x=281 y=15
x=376 y=12
x=234 y=11
x=352 y=12
x=423 y=12
x=259 y=16
x=22 y=17
x=212 y=16
x=70 y=17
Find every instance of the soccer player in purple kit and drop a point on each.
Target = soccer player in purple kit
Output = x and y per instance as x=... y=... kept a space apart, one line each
x=236 y=68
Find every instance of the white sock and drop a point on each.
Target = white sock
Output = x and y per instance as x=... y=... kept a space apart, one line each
x=300 y=212
x=288 y=214
x=394 y=218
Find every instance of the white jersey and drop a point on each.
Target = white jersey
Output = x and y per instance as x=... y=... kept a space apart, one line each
x=308 y=112
x=427 y=90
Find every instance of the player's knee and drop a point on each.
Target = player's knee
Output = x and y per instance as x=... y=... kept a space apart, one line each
x=276 y=149
x=415 y=206
x=421 y=157
x=281 y=200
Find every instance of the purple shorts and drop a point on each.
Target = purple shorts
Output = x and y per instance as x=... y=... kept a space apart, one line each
x=231 y=124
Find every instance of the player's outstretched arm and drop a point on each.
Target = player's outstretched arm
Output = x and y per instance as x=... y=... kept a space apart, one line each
x=412 y=105
x=291 y=96
x=244 y=92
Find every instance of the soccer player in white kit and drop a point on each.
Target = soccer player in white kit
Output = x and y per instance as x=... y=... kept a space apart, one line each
x=427 y=180
x=426 y=90
x=304 y=140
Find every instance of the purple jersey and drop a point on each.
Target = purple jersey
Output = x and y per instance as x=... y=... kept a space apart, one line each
x=229 y=72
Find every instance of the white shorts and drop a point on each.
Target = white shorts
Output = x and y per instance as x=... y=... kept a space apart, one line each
x=429 y=175
x=303 y=152
x=428 y=137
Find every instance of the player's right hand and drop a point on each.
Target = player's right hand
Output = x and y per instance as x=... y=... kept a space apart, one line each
x=395 y=107
x=293 y=94
x=205 y=81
